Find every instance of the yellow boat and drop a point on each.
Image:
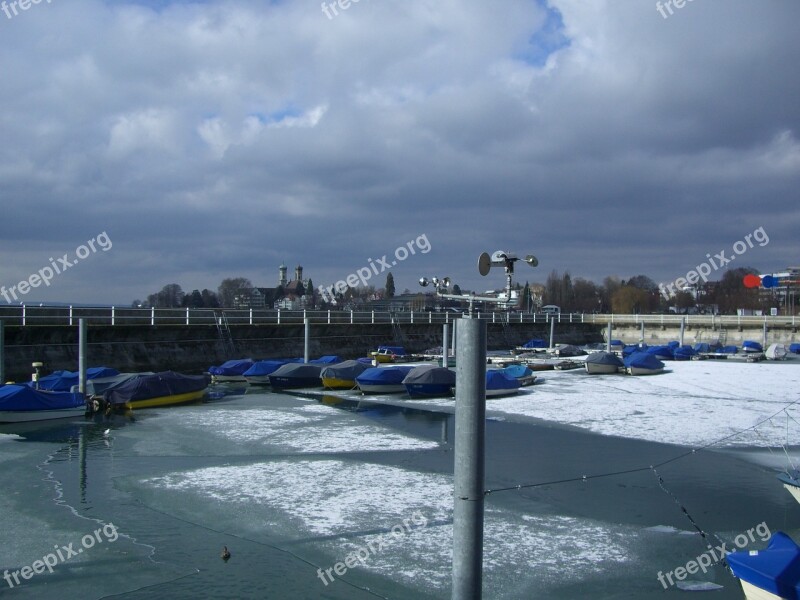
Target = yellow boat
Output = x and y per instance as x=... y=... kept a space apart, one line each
x=334 y=383
x=387 y=354
x=342 y=376
x=157 y=389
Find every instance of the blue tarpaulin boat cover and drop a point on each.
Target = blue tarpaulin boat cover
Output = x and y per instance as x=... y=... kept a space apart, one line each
x=387 y=375
x=326 y=360
x=62 y=381
x=683 y=353
x=701 y=347
x=498 y=379
x=794 y=348
x=751 y=346
x=633 y=348
x=232 y=367
x=430 y=374
x=521 y=370
x=535 y=343
x=349 y=370
x=663 y=352
x=605 y=358
x=166 y=383
x=776 y=569
x=642 y=360
x=24 y=398
x=264 y=367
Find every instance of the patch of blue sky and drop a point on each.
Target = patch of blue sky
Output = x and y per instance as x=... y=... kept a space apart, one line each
x=550 y=38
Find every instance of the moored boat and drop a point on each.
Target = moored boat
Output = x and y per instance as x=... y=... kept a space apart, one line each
x=343 y=375
x=791 y=482
x=388 y=354
x=641 y=363
x=231 y=370
x=383 y=380
x=751 y=346
x=159 y=389
x=603 y=363
x=500 y=383
x=769 y=574
x=776 y=352
x=64 y=381
x=522 y=373
x=429 y=380
x=295 y=376
x=259 y=373
x=22 y=404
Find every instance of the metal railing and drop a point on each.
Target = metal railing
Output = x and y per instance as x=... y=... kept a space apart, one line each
x=30 y=315
x=36 y=315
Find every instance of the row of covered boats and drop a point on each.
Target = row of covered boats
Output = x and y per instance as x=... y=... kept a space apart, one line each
x=329 y=372
x=56 y=395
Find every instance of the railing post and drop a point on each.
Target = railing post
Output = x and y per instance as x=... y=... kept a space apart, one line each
x=329 y=316
x=152 y=315
x=373 y=318
x=187 y=315
x=24 y=316
x=113 y=316
x=251 y=315
x=412 y=317
x=70 y=316
x=279 y=316
x=494 y=315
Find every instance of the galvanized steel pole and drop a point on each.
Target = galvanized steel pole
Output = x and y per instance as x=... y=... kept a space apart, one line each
x=82 y=356
x=469 y=460
x=552 y=331
x=608 y=342
x=445 y=343
x=683 y=328
x=307 y=323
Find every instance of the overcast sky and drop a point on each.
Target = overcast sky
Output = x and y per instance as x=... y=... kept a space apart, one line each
x=219 y=139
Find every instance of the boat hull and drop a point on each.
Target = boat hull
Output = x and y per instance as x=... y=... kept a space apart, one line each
x=293 y=383
x=428 y=390
x=793 y=490
x=166 y=400
x=752 y=592
x=257 y=379
x=334 y=383
x=641 y=371
x=228 y=378
x=27 y=416
x=372 y=388
x=598 y=369
x=499 y=393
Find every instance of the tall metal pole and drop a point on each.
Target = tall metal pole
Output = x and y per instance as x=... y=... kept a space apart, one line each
x=552 y=331
x=2 y=352
x=765 y=333
x=683 y=328
x=641 y=334
x=469 y=460
x=307 y=336
x=453 y=340
x=445 y=343
x=608 y=342
x=82 y=356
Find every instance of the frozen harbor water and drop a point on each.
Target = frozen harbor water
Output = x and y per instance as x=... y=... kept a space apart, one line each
x=294 y=484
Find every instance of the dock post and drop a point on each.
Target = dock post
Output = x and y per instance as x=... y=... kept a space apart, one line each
x=641 y=334
x=2 y=352
x=307 y=323
x=608 y=342
x=82 y=356
x=469 y=460
x=683 y=329
x=765 y=334
x=453 y=340
x=552 y=331
x=445 y=343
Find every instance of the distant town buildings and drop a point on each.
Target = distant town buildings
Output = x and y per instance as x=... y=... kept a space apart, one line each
x=287 y=295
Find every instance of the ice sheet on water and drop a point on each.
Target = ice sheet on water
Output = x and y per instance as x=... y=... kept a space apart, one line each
x=695 y=403
x=698 y=586
x=342 y=507
x=306 y=429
